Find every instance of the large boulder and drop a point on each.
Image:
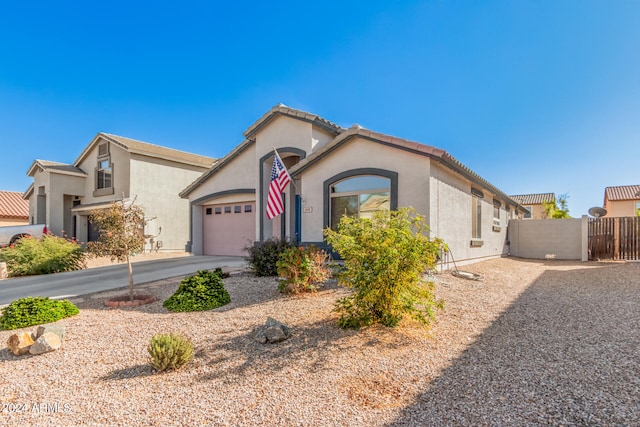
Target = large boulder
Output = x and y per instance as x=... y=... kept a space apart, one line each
x=20 y=343
x=46 y=343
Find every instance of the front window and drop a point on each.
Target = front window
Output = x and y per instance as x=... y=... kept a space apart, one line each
x=359 y=197
x=104 y=176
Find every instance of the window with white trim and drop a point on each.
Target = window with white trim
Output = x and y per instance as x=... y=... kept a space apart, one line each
x=496 y=212
x=359 y=197
x=529 y=213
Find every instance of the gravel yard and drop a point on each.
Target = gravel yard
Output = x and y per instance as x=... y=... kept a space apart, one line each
x=535 y=343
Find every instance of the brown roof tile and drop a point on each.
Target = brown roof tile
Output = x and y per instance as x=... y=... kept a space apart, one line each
x=282 y=109
x=534 y=199
x=623 y=192
x=133 y=145
x=12 y=205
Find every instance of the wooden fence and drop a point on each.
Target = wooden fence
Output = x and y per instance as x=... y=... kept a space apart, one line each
x=614 y=238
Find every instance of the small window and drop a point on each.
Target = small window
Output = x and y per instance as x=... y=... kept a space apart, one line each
x=103 y=176
x=248 y=208
x=529 y=213
x=208 y=211
x=218 y=211
x=237 y=209
x=227 y=209
x=496 y=213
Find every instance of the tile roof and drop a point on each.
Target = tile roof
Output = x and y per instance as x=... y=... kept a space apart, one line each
x=55 y=167
x=282 y=109
x=534 y=199
x=140 y=147
x=12 y=205
x=622 y=192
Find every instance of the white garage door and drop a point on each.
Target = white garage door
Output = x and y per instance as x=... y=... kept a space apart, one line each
x=228 y=228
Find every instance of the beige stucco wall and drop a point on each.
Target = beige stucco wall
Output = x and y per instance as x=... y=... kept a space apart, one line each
x=121 y=175
x=155 y=184
x=413 y=179
x=549 y=238
x=451 y=217
x=617 y=208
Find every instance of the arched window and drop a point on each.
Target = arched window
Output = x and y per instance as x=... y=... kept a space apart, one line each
x=359 y=197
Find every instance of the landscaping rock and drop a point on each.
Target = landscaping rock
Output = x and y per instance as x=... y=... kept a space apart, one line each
x=272 y=331
x=54 y=329
x=20 y=343
x=46 y=343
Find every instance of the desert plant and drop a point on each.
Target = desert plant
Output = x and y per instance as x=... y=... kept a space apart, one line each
x=31 y=311
x=384 y=261
x=303 y=269
x=263 y=256
x=49 y=254
x=203 y=291
x=121 y=228
x=169 y=351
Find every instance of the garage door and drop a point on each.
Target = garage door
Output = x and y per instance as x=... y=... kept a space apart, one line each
x=228 y=228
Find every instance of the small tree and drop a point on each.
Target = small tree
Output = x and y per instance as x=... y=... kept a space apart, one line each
x=384 y=261
x=557 y=209
x=121 y=228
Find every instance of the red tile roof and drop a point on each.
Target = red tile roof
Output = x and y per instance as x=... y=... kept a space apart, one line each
x=622 y=192
x=12 y=205
x=534 y=199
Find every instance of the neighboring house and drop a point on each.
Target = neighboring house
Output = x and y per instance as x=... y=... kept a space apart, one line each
x=339 y=171
x=534 y=203
x=623 y=200
x=14 y=210
x=114 y=168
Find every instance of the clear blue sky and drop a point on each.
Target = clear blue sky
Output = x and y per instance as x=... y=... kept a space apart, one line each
x=535 y=96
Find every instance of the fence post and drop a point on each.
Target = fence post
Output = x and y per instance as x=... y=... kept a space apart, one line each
x=585 y=238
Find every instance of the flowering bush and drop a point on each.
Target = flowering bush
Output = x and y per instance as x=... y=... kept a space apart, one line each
x=303 y=269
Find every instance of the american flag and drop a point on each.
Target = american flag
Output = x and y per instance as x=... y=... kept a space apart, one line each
x=279 y=180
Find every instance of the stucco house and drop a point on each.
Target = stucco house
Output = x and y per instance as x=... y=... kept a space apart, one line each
x=337 y=171
x=14 y=210
x=111 y=168
x=534 y=204
x=623 y=200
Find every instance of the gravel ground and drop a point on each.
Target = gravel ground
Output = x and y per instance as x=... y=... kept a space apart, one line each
x=534 y=343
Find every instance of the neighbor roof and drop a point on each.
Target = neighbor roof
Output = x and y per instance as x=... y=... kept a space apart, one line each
x=12 y=205
x=622 y=192
x=534 y=199
x=147 y=149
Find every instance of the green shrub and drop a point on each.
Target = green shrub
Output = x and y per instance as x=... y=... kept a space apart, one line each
x=203 y=291
x=263 y=256
x=303 y=269
x=221 y=273
x=50 y=254
x=170 y=351
x=384 y=261
x=31 y=311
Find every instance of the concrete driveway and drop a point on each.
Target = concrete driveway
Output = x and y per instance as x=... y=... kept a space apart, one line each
x=74 y=283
